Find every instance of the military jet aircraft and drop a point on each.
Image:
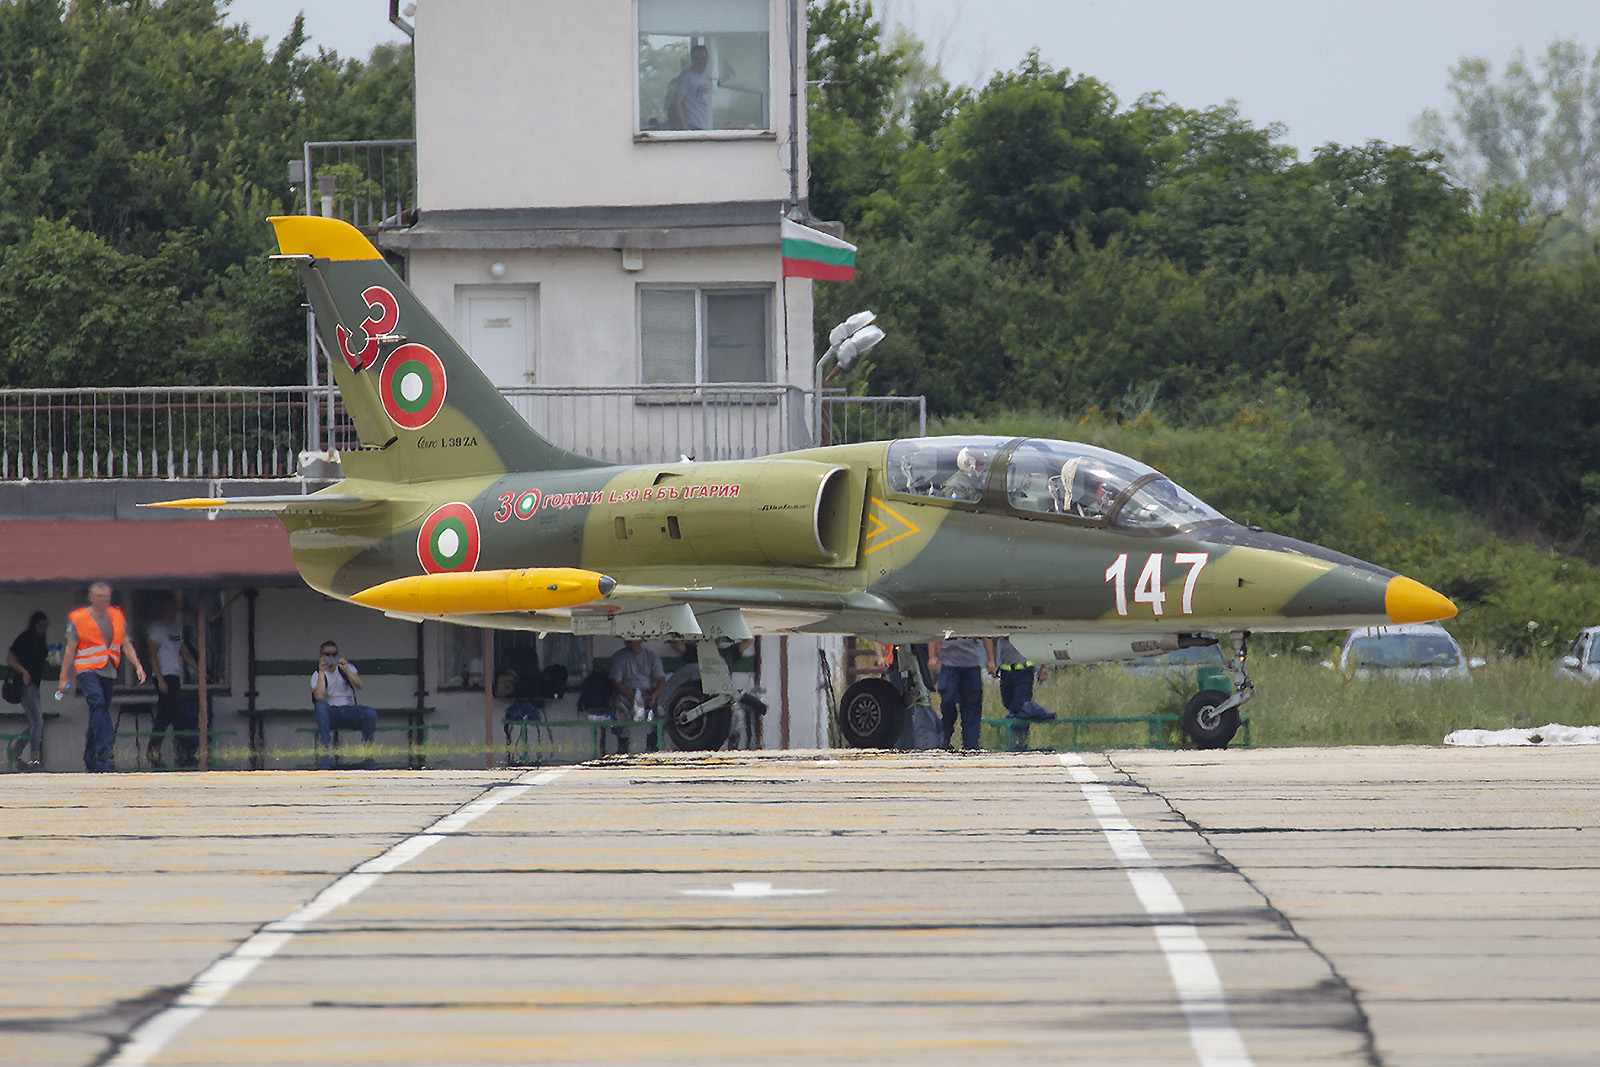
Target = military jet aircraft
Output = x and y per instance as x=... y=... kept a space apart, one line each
x=456 y=509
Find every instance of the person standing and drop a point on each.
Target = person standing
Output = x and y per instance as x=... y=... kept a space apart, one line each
x=959 y=663
x=97 y=640
x=27 y=657
x=168 y=653
x=1017 y=675
x=691 y=93
x=333 y=694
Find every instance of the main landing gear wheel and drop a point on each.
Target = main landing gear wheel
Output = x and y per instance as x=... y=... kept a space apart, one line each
x=707 y=733
x=871 y=714
x=1209 y=727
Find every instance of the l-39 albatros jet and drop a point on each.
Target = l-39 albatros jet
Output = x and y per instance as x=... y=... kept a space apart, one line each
x=456 y=509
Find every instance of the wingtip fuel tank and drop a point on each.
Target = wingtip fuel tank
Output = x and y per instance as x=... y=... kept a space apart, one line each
x=488 y=592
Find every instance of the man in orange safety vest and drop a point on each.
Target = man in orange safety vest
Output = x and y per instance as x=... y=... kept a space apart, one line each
x=97 y=639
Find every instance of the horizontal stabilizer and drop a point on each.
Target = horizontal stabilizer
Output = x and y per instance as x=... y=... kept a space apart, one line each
x=313 y=502
x=524 y=589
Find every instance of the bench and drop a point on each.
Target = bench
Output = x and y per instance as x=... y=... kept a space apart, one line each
x=141 y=739
x=1014 y=732
x=371 y=668
x=520 y=750
x=416 y=738
x=415 y=726
x=15 y=711
x=5 y=747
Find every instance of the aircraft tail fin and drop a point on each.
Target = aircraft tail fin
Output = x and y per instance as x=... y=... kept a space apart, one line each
x=409 y=387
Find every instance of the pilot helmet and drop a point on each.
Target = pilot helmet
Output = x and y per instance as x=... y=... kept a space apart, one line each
x=972 y=461
x=1099 y=488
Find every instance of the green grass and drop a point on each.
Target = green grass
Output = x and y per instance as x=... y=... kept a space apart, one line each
x=1305 y=704
x=1301 y=703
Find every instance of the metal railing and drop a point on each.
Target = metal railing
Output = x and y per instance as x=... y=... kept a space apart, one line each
x=157 y=432
x=259 y=432
x=848 y=419
x=370 y=184
x=662 y=423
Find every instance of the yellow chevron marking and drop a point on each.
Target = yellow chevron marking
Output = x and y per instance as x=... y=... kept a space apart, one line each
x=885 y=528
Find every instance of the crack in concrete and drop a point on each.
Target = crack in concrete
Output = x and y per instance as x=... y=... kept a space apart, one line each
x=1337 y=983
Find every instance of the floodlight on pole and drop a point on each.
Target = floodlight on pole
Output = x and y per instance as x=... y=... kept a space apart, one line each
x=846 y=342
x=853 y=347
x=850 y=326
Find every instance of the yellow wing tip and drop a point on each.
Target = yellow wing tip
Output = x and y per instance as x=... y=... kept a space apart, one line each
x=320 y=238
x=187 y=502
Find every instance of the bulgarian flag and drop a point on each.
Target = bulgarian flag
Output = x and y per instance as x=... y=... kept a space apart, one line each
x=809 y=253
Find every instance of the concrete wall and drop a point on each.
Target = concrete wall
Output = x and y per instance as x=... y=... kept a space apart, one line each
x=587 y=318
x=558 y=81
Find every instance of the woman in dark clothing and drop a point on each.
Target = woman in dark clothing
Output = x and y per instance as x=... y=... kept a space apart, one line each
x=27 y=657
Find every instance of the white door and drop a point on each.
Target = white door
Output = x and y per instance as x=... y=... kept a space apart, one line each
x=496 y=325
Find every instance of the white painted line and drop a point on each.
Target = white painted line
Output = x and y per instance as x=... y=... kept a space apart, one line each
x=1211 y=1031
x=212 y=984
x=752 y=889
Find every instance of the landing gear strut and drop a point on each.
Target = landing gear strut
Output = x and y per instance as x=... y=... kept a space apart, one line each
x=699 y=714
x=1211 y=717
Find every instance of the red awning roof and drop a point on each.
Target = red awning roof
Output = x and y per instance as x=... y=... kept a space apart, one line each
x=232 y=551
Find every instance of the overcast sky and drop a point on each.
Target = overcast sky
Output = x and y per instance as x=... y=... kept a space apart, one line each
x=1347 y=72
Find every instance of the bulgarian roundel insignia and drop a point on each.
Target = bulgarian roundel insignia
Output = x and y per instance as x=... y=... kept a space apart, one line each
x=412 y=386
x=448 y=540
x=527 y=504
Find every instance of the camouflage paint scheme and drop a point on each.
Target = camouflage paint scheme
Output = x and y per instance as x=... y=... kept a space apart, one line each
x=812 y=541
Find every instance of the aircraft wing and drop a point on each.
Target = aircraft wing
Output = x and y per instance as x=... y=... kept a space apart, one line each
x=719 y=611
x=313 y=503
x=632 y=610
x=729 y=596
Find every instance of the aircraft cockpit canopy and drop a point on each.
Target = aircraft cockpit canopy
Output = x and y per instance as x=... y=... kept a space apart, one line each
x=1059 y=478
x=950 y=468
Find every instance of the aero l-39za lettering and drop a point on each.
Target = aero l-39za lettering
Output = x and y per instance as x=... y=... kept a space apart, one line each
x=456 y=509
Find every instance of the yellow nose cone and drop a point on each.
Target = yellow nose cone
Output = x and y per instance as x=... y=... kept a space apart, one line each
x=1407 y=601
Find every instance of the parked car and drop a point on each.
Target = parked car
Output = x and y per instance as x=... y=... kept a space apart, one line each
x=1417 y=650
x=1583 y=656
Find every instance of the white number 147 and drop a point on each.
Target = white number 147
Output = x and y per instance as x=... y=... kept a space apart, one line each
x=1148 y=589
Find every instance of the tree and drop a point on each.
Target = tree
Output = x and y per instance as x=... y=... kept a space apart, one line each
x=153 y=140
x=1228 y=195
x=1475 y=361
x=76 y=311
x=940 y=298
x=1536 y=127
x=869 y=104
x=1040 y=154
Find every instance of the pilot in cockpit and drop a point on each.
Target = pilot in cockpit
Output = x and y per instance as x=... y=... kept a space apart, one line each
x=1087 y=494
x=972 y=473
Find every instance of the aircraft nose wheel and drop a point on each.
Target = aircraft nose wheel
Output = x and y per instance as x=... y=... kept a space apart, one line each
x=1207 y=722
